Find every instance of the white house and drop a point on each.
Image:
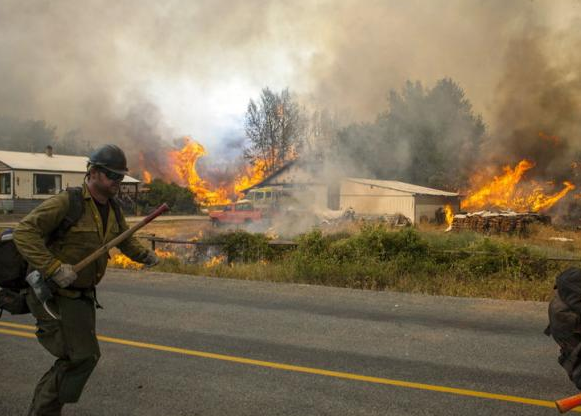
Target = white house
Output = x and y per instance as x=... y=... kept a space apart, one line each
x=26 y=179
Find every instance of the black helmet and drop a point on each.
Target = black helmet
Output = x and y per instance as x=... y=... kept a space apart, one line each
x=110 y=157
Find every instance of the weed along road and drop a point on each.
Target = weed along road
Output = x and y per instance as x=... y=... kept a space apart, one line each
x=182 y=345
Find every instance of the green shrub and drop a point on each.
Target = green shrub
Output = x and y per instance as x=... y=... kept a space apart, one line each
x=242 y=246
x=313 y=244
x=378 y=258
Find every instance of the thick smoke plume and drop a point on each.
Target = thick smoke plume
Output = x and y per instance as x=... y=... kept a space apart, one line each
x=539 y=103
x=141 y=73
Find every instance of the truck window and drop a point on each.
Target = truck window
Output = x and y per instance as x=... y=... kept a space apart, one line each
x=227 y=208
x=268 y=195
x=243 y=207
x=259 y=195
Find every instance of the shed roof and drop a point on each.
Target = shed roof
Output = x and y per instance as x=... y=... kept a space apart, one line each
x=402 y=187
x=43 y=162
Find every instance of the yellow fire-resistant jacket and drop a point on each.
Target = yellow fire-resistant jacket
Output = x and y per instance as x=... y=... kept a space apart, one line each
x=82 y=239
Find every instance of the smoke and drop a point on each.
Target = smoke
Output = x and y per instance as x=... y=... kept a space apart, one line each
x=141 y=73
x=539 y=103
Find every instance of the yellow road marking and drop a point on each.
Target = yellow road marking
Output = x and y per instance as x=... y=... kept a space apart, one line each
x=19 y=326
x=295 y=368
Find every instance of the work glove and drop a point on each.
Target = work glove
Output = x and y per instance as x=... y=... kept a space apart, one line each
x=64 y=276
x=150 y=259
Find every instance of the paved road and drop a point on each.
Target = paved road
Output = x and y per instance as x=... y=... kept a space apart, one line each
x=474 y=346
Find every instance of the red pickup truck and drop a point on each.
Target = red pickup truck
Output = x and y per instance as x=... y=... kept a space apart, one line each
x=241 y=212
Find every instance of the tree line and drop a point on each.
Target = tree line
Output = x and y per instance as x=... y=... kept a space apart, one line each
x=426 y=136
x=34 y=135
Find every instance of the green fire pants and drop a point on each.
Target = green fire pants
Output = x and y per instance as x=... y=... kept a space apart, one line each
x=72 y=340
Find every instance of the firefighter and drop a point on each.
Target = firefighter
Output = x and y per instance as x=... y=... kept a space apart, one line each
x=72 y=339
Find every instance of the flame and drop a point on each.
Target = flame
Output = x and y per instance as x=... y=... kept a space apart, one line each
x=184 y=163
x=162 y=254
x=198 y=236
x=121 y=260
x=449 y=214
x=539 y=201
x=503 y=192
x=215 y=261
x=181 y=169
x=146 y=176
x=251 y=177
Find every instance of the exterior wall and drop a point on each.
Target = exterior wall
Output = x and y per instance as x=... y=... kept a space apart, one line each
x=427 y=205
x=373 y=200
x=24 y=206
x=24 y=187
x=23 y=200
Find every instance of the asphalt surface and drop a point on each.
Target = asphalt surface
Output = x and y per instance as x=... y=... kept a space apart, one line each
x=475 y=345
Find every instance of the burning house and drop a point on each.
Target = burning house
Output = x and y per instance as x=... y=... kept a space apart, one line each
x=303 y=183
x=27 y=179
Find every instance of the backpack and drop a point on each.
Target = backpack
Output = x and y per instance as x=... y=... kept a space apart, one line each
x=565 y=321
x=14 y=268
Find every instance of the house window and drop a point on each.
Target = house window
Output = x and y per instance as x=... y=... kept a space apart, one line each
x=5 y=184
x=47 y=184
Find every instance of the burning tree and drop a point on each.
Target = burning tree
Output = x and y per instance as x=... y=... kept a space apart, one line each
x=275 y=128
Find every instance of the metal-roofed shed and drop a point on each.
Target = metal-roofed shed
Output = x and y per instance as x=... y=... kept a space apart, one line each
x=381 y=197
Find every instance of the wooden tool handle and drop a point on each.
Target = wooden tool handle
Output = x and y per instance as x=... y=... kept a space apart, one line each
x=568 y=403
x=120 y=238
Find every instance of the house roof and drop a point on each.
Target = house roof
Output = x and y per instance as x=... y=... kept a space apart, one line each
x=271 y=176
x=402 y=187
x=43 y=162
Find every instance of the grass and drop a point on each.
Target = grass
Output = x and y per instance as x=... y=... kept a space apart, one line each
x=409 y=260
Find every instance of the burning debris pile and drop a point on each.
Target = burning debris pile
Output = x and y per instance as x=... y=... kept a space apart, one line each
x=507 y=205
x=508 y=192
x=488 y=222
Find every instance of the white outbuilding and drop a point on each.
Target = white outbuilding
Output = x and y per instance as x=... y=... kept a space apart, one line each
x=26 y=179
x=318 y=191
x=380 y=197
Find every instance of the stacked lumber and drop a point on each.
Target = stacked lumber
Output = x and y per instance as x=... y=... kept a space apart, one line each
x=488 y=222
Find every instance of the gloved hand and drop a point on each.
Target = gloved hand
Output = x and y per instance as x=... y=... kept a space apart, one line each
x=64 y=276
x=150 y=259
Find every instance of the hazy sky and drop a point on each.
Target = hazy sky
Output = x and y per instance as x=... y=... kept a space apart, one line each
x=176 y=67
